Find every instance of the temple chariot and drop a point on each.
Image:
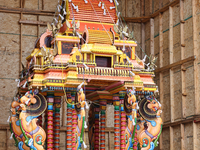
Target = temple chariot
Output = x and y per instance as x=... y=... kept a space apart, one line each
x=87 y=56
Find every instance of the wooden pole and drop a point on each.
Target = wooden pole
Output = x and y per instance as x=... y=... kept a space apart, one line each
x=142 y=29
x=23 y=3
x=125 y=8
x=182 y=137
x=161 y=64
x=171 y=61
x=20 y=52
x=195 y=44
x=195 y=141
x=182 y=57
x=150 y=6
x=152 y=36
x=196 y=79
x=171 y=73
x=42 y=4
x=38 y=27
x=171 y=138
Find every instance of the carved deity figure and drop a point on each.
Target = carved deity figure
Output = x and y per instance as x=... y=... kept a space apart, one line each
x=79 y=106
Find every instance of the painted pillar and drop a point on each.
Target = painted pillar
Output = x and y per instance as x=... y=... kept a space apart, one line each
x=57 y=101
x=69 y=121
x=116 y=103
x=123 y=120
x=103 y=124
x=74 y=121
x=50 y=101
x=96 y=130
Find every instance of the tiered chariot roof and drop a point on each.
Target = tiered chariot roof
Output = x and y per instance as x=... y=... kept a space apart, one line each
x=91 y=51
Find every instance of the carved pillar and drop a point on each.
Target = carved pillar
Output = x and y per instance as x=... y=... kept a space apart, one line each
x=116 y=103
x=50 y=100
x=57 y=101
x=74 y=121
x=123 y=120
x=96 y=130
x=69 y=121
x=103 y=124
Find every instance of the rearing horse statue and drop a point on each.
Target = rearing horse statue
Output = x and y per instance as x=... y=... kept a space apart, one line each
x=31 y=135
x=150 y=111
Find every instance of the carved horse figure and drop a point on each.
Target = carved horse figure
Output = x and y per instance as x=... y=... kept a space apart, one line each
x=80 y=98
x=150 y=111
x=34 y=135
x=27 y=134
x=15 y=128
x=130 y=106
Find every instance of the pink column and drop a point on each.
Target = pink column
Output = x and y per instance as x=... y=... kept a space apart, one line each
x=123 y=121
x=50 y=100
x=96 y=130
x=103 y=124
x=74 y=121
x=116 y=103
x=69 y=122
x=56 y=142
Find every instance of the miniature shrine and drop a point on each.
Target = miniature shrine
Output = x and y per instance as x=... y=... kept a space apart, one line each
x=87 y=55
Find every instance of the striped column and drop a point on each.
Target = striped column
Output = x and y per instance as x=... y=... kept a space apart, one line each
x=103 y=124
x=96 y=130
x=69 y=122
x=135 y=143
x=74 y=121
x=116 y=103
x=57 y=101
x=123 y=120
x=45 y=123
x=50 y=100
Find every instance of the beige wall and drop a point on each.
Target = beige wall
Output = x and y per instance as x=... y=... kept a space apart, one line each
x=173 y=84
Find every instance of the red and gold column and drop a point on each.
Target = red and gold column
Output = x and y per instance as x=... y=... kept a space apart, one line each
x=74 y=121
x=69 y=122
x=96 y=130
x=57 y=101
x=50 y=100
x=123 y=121
x=116 y=103
x=103 y=124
